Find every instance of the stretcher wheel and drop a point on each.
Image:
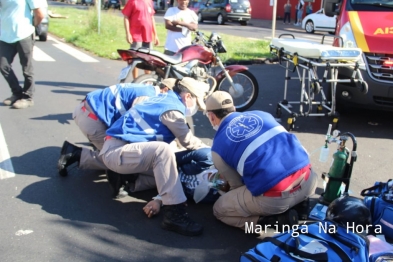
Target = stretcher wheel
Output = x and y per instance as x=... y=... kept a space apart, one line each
x=291 y=124
x=316 y=87
x=335 y=123
x=364 y=86
x=278 y=112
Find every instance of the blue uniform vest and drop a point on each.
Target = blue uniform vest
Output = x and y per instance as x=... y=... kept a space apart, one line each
x=110 y=103
x=142 y=122
x=259 y=148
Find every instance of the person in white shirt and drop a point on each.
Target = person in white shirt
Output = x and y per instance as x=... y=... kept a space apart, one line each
x=179 y=22
x=299 y=13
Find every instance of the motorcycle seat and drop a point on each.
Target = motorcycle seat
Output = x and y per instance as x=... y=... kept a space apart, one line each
x=171 y=59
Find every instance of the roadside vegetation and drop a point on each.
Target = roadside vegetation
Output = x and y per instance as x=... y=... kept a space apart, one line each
x=81 y=29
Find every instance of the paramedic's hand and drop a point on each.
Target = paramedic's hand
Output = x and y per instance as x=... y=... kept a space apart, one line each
x=152 y=208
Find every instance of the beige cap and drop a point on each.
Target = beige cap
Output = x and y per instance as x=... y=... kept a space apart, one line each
x=219 y=100
x=168 y=82
x=197 y=88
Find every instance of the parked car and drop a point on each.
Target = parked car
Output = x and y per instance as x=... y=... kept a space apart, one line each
x=318 y=21
x=225 y=10
x=86 y=2
x=158 y=4
x=195 y=5
x=41 y=30
x=112 y=3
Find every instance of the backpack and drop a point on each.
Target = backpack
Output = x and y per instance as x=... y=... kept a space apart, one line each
x=379 y=199
x=319 y=241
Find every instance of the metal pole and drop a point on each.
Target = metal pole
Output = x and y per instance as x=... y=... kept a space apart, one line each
x=99 y=15
x=274 y=17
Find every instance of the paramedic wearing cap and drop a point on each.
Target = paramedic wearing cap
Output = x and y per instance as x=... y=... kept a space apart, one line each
x=266 y=167
x=138 y=142
x=98 y=111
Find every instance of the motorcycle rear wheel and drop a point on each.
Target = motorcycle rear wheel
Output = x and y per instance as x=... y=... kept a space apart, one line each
x=247 y=89
x=147 y=79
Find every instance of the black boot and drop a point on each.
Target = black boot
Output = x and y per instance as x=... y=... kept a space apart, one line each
x=288 y=218
x=116 y=184
x=69 y=154
x=176 y=219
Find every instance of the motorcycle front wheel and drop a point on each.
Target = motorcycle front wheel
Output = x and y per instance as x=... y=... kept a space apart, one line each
x=245 y=92
x=148 y=79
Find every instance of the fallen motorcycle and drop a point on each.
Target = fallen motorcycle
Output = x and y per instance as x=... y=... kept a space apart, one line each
x=200 y=61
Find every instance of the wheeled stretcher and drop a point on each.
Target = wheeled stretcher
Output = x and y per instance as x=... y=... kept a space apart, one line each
x=304 y=57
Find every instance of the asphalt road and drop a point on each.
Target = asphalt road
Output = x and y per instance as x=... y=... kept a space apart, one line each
x=45 y=217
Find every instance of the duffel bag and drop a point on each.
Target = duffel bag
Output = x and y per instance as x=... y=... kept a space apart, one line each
x=320 y=241
x=381 y=210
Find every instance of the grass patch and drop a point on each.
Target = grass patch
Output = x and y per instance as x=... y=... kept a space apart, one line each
x=81 y=29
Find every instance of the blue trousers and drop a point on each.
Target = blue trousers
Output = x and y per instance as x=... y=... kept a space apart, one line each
x=192 y=163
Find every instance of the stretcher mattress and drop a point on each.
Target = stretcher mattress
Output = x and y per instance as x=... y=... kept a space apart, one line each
x=311 y=49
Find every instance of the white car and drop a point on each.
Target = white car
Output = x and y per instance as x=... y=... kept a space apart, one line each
x=318 y=21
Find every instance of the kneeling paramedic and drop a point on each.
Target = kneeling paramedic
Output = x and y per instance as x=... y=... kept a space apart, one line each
x=267 y=168
x=138 y=142
x=96 y=113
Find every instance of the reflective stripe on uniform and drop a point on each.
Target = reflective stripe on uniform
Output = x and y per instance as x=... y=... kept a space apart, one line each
x=259 y=141
x=140 y=121
x=115 y=89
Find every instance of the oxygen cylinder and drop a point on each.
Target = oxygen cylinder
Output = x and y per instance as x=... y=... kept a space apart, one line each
x=337 y=170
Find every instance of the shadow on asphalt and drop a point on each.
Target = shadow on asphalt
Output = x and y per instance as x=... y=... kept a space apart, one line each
x=68 y=84
x=83 y=200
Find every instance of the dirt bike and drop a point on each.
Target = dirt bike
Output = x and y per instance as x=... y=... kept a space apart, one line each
x=200 y=61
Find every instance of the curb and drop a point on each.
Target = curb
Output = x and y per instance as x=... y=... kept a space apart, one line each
x=256 y=61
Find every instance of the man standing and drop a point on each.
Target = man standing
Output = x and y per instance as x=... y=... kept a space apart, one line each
x=267 y=168
x=17 y=32
x=287 y=12
x=179 y=21
x=140 y=26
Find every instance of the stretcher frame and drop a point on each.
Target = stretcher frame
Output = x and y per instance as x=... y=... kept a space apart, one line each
x=310 y=84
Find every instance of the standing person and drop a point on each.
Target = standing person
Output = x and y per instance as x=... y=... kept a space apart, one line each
x=287 y=12
x=267 y=168
x=299 y=15
x=179 y=21
x=309 y=8
x=17 y=33
x=140 y=26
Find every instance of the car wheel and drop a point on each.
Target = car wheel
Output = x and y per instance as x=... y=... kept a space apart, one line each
x=43 y=37
x=200 y=18
x=309 y=27
x=220 y=19
x=243 y=23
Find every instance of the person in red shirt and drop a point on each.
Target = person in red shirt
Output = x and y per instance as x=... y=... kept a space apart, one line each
x=140 y=26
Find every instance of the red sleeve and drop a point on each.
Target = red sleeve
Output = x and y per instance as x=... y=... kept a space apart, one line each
x=128 y=8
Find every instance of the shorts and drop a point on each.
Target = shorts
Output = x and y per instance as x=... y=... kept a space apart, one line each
x=136 y=45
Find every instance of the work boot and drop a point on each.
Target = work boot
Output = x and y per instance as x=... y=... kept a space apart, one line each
x=282 y=221
x=116 y=184
x=10 y=100
x=177 y=219
x=69 y=154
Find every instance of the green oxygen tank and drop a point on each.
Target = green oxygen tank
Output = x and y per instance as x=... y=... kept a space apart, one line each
x=337 y=170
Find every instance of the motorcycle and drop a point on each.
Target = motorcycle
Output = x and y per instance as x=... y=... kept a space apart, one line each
x=199 y=61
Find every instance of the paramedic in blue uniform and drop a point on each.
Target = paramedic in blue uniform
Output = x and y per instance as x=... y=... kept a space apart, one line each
x=267 y=168
x=138 y=142
x=96 y=113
